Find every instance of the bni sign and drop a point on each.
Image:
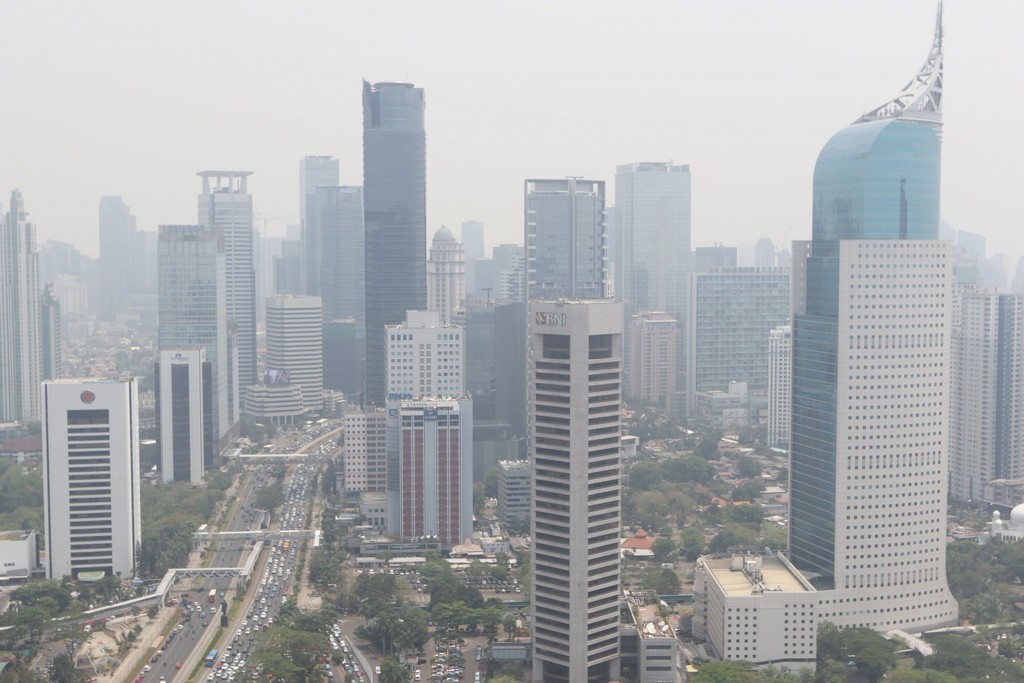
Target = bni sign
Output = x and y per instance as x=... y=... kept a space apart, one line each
x=551 y=319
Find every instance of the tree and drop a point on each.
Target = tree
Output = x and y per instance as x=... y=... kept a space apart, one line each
x=509 y=622
x=391 y=671
x=731 y=536
x=64 y=671
x=269 y=497
x=723 y=672
x=748 y=490
x=708 y=446
x=693 y=543
x=747 y=467
x=919 y=676
x=688 y=468
x=664 y=549
x=651 y=508
x=644 y=476
x=491 y=483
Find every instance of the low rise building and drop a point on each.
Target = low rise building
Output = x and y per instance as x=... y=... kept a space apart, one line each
x=755 y=608
x=19 y=553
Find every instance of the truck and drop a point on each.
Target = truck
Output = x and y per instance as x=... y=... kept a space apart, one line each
x=212 y=596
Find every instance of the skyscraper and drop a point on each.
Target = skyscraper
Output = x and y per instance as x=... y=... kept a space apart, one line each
x=184 y=394
x=295 y=344
x=732 y=310
x=446 y=275
x=314 y=172
x=91 y=477
x=51 y=334
x=575 y=401
x=566 y=239
x=430 y=469
x=191 y=305
x=21 y=364
x=780 y=385
x=117 y=254
x=395 y=210
x=871 y=371
x=653 y=338
x=424 y=358
x=335 y=254
x=473 y=239
x=986 y=429
x=225 y=204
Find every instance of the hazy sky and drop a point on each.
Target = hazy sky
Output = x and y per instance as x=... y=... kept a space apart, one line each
x=132 y=98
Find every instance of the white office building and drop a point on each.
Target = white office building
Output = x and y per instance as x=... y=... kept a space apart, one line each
x=513 y=490
x=780 y=385
x=91 y=477
x=295 y=343
x=575 y=400
x=424 y=357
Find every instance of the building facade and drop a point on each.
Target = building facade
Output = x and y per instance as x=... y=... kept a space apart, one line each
x=21 y=365
x=395 y=210
x=117 y=256
x=184 y=394
x=430 y=469
x=91 y=478
x=732 y=310
x=871 y=357
x=424 y=357
x=566 y=239
x=192 y=306
x=780 y=385
x=575 y=400
x=335 y=251
x=513 y=491
x=364 y=453
x=226 y=205
x=51 y=330
x=654 y=342
x=295 y=343
x=314 y=172
x=986 y=434
x=446 y=275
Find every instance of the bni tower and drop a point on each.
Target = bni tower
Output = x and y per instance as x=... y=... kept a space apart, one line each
x=575 y=372
x=395 y=213
x=871 y=371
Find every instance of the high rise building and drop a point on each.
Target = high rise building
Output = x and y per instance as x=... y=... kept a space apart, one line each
x=473 y=239
x=295 y=344
x=732 y=310
x=344 y=352
x=335 y=264
x=653 y=337
x=717 y=256
x=780 y=385
x=117 y=247
x=184 y=395
x=395 y=210
x=575 y=402
x=288 y=269
x=652 y=204
x=446 y=275
x=91 y=477
x=986 y=429
x=566 y=239
x=430 y=469
x=314 y=172
x=21 y=365
x=51 y=334
x=764 y=253
x=364 y=453
x=192 y=308
x=225 y=204
x=652 y=211
x=510 y=375
x=871 y=357
x=424 y=358
x=513 y=491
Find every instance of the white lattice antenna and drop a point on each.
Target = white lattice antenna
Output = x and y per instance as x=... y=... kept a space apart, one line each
x=921 y=98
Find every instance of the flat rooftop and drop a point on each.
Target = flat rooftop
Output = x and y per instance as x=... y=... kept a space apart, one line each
x=775 y=576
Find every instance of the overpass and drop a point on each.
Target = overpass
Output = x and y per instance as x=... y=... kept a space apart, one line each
x=257 y=457
x=263 y=535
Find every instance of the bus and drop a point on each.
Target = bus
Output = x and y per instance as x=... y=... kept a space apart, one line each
x=212 y=596
x=211 y=658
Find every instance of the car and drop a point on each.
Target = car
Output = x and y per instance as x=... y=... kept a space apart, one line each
x=177 y=666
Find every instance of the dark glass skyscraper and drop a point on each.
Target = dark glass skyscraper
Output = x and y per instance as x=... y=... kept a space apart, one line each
x=395 y=210
x=871 y=358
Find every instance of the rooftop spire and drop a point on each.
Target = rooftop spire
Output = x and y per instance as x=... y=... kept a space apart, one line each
x=921 y=98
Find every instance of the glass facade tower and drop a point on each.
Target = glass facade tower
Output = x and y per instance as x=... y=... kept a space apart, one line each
x=871 y=372
x=395 y=210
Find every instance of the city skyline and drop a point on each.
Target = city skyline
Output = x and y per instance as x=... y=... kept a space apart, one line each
x=731 y=86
